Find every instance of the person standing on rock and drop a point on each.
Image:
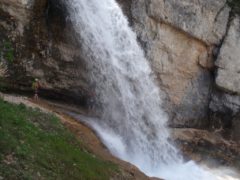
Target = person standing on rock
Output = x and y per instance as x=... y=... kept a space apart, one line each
x=36 y=86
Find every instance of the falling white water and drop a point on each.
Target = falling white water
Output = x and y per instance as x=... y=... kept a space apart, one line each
x=132 y=124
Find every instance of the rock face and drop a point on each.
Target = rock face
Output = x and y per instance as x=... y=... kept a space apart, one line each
x=181 y=40
x=44 y=48
x=175 y=57
x=205 y=20
x=235 y=130
x=178 y=38
x=224 y=109
x=228 y=62
x=225 y=104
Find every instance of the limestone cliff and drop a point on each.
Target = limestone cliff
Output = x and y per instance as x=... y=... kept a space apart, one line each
x=194 y=48
x=192 y=45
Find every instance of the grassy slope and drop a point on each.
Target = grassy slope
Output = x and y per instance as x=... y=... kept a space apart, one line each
x=34 y=145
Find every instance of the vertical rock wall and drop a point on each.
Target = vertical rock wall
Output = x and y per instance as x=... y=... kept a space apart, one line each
x=44 y=48
x=193 y=46
x=225 y=104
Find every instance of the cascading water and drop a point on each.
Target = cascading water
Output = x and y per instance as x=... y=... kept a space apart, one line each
x=132 y=123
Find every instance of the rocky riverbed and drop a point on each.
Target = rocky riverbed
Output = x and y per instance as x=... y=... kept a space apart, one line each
x=209 y=148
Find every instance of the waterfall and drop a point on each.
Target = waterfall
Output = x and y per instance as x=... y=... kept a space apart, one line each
x=132 y=123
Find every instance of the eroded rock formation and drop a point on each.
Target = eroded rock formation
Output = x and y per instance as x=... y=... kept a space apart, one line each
x=44 y=48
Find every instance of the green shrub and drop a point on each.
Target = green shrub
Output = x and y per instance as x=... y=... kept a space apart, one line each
x=7 y=52
x=235 y=5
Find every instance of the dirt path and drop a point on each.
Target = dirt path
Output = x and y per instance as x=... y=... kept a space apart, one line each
x=89 y=139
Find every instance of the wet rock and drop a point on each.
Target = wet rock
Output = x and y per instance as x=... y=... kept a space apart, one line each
x=206 y=147
x=224 y=116
x=126 y=7
x=236 y=127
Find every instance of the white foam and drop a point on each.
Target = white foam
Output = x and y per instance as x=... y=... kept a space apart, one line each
x=175 y=171
x=132 y=123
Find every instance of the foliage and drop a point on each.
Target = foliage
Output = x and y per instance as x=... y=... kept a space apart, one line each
x=6 y=57
x=34 y=145
x=7 y=52
x=235 y=5
x=3 y=70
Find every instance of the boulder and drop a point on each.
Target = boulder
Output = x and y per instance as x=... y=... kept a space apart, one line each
x=228 y=62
